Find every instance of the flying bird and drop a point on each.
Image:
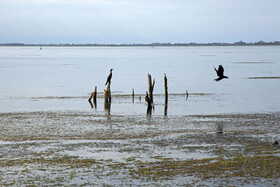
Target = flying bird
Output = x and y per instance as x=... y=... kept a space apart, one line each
x=220 y=73
x=109 y=77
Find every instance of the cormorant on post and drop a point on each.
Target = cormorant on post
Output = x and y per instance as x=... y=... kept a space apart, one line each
x=220 y=73
x=109 y=77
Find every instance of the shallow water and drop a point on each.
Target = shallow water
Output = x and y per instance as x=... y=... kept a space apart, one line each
x=61 y=78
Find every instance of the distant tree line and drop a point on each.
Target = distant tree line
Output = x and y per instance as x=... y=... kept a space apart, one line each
x=239 y=43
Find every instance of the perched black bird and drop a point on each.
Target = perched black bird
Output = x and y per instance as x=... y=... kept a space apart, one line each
x=220 y=73
x=109 y=77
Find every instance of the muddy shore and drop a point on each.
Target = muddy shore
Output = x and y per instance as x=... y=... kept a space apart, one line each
x=82 y=148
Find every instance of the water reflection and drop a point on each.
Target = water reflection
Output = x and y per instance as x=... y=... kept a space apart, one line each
x=149 y=111
x=220 y=128
x=107 y=109
x=165 y=110
x=92 y=104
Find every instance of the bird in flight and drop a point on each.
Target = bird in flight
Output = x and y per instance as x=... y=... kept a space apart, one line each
x=220 y=73
x=109 y=77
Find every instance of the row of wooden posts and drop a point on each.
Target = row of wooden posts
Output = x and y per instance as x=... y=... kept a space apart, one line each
x=148 y=96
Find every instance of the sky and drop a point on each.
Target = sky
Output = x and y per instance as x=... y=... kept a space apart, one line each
x=138 y=21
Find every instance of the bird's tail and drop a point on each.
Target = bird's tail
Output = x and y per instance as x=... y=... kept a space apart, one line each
x=218 y=79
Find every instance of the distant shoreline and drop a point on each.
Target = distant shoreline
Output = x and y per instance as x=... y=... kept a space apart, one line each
x=240 y=43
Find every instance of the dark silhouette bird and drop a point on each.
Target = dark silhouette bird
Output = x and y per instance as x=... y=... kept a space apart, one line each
x=220 y=73
x=109 y=77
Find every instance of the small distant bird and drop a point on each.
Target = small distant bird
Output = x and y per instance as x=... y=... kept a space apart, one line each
x=220 y=73
x=109 y=77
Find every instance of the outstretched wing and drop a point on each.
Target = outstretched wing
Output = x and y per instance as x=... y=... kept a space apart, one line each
x=220 y=71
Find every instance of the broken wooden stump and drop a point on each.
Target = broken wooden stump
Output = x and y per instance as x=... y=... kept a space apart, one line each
x=149 y=111
x=94 y=94
x=187 y=94
x=107 y=93
x=93 y=97
x=132 y=95
x=151 y=88
x=165 y=110
x=165 y=89
x=90 y=96
x=147 y=98
x=90 y=103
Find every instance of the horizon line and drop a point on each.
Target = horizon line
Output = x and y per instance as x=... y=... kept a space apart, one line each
x=143 y=44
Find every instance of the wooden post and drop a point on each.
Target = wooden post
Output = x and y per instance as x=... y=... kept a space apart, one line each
x=166 y=89
x=148 y=99
x=165 y=110
x=149 y=111
x=187 y=95
x=90 y=103
x=107 y=93
x=94 y=94
x=94 y=97
x=132 y=95
x=151 y=88
x=90 y=96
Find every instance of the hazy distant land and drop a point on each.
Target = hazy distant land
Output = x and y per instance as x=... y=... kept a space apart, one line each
x=239 y=43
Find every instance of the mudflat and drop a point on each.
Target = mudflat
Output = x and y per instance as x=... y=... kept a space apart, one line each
x=81 y=148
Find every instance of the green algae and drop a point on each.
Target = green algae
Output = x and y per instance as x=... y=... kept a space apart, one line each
x=242 y=166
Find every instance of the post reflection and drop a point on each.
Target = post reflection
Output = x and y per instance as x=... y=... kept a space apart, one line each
x=94 y=104
x=107 y=109
x=220 y=128
x=165 y=110
x=149 y=111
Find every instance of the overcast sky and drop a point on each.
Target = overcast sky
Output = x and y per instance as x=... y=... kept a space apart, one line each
x=138 y=21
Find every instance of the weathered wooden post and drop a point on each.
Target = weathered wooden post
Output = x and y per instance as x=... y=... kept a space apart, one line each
x=149 y=111
x=187 y=94
x=165 y=89
x=94 y=94
x=132 y=95
x=166 y=95
x=90 y=103
x=94 y=97
x=147 y=98
x=107 y=94
x=165 y=110
x=90 y=96
x=151 y=87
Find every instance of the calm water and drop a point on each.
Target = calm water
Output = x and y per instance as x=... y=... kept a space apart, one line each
x=36 y=80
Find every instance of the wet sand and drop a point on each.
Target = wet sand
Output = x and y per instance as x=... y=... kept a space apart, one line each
x=83 y=148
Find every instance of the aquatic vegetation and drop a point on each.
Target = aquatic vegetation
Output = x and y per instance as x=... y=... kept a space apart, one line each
x=264 y=78
x=67 y=148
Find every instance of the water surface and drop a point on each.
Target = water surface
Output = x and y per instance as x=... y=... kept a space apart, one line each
x=36 y=80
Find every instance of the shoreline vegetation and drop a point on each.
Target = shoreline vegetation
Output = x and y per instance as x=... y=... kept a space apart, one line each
x=156 y=44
